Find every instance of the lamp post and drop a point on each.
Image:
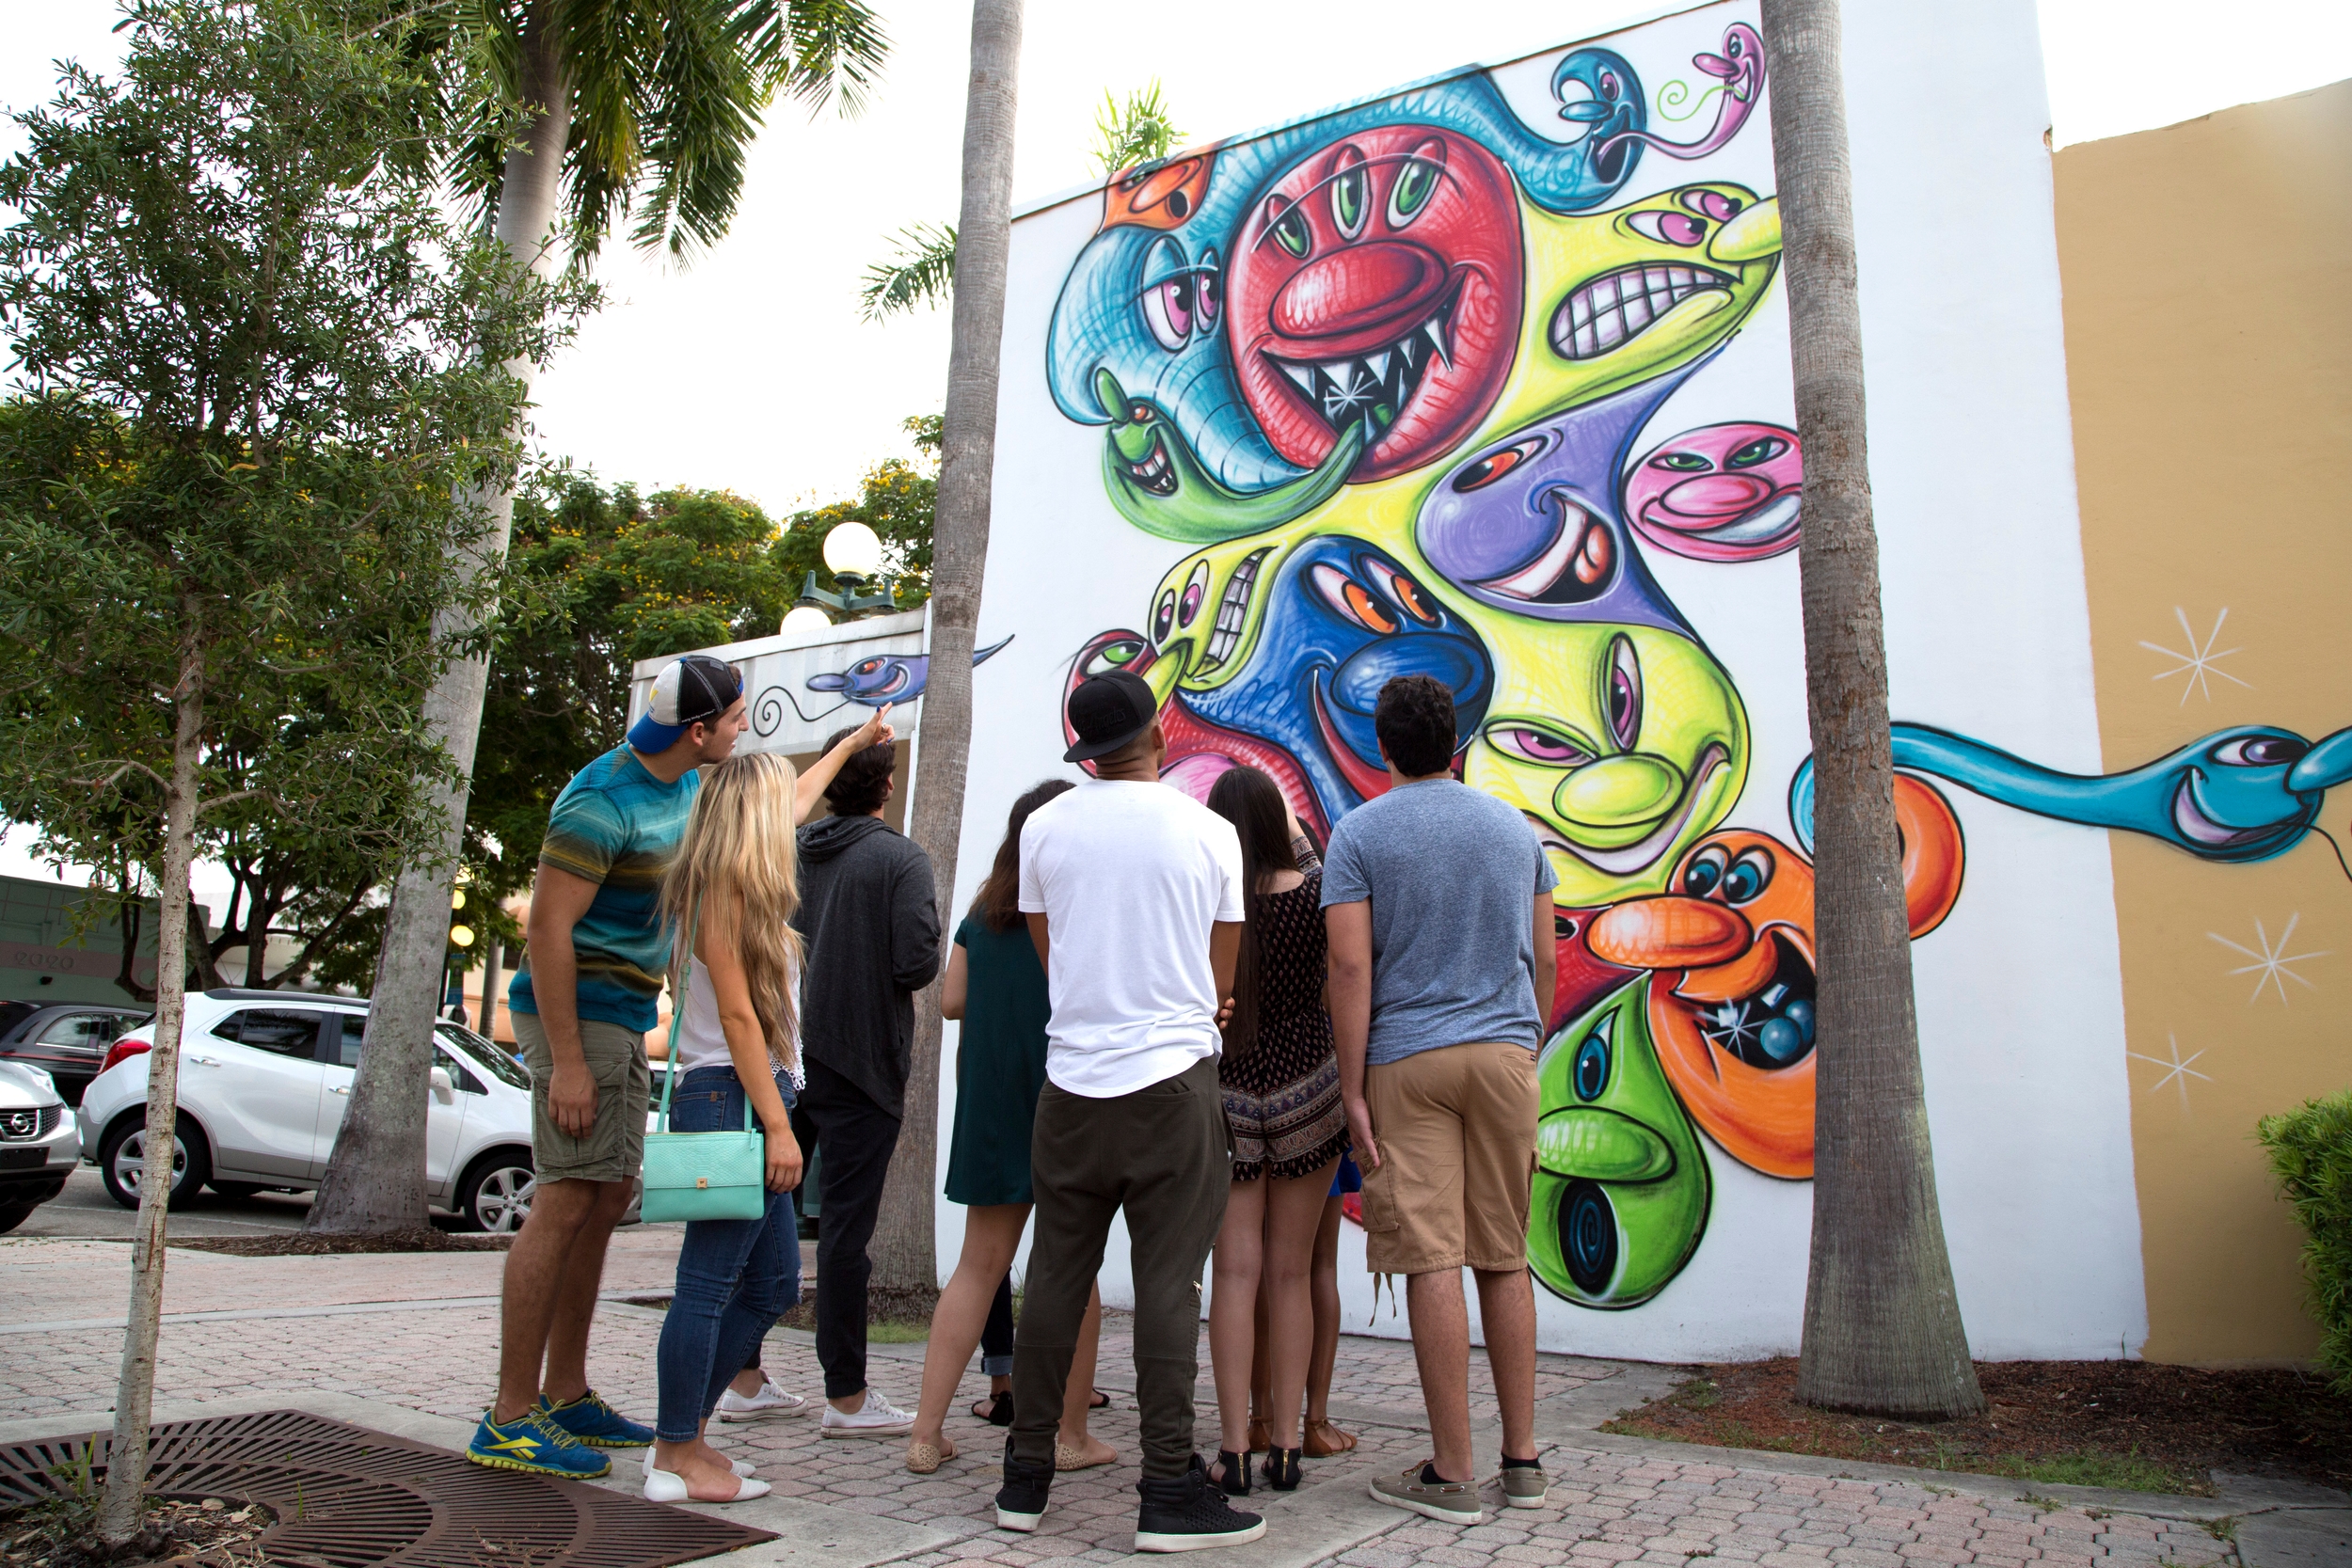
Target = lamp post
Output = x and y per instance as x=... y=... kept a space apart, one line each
x=854 y=554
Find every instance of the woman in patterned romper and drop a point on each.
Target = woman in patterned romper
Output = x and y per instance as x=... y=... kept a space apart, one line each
x=1282 y=1082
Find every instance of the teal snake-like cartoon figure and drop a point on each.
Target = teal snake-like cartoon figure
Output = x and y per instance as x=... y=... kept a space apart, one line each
x=2240 y=795
x=1155 y=481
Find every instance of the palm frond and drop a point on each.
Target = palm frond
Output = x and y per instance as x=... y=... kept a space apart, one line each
x=818 y=51
x=1136 y=132
x=923 y=272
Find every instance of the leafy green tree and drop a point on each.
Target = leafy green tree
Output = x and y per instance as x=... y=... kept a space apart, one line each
x=921 y=269
x=259 y=365
x=639 y=111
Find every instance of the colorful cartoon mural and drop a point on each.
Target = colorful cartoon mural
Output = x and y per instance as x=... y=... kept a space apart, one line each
x=1433 y=383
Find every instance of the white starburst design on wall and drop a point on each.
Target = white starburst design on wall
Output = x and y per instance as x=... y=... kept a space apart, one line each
x=2201 y=663
x=2273 y=965
x=2176 y=1071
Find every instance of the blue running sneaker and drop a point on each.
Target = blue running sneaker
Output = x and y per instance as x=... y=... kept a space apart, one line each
x=534 y=1443
x=592 y=1421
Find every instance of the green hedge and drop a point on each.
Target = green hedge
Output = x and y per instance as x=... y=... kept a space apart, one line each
x=2311 y=1150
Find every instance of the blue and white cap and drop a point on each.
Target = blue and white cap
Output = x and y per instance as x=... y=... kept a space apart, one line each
x=689 y=690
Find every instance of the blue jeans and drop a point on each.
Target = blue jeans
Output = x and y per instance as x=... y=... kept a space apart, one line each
x=735 y=1277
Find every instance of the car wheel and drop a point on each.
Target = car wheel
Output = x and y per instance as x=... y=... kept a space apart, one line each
x=236 y=1190
x=496 y=1195
x=122 y=1162
x=14 y=1214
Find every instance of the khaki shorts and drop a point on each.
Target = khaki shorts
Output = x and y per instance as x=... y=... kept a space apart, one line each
x=614 y=1149
x=1456 y=1131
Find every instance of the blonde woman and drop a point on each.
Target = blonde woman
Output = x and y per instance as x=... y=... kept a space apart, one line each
x=732 y=890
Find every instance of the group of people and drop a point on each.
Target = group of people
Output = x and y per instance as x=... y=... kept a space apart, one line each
x=1170 y=1011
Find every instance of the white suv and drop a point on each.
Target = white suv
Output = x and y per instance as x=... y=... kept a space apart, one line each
x=264 y=1077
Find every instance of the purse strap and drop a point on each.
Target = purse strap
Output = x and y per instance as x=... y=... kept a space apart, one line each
x=677 y=1017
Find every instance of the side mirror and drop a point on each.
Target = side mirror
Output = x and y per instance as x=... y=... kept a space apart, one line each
x=443 y=1090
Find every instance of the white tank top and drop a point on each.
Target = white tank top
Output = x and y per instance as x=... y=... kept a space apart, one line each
x=701 y=1041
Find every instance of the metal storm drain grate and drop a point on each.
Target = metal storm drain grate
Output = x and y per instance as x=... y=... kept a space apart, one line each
x=346 y=1497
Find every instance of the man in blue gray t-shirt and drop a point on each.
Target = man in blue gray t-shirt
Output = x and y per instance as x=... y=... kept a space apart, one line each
x=1438 y=904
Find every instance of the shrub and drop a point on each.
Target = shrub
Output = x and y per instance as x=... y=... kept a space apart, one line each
x=2310 y=1151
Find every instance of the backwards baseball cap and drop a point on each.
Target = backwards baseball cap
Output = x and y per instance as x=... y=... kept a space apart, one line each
x=689 y=690
x=1107 y=711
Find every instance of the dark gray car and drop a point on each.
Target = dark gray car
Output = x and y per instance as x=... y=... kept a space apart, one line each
x=68 y=1040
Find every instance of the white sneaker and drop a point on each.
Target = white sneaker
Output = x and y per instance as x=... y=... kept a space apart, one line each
x=770 y=1401
x=876 y=1417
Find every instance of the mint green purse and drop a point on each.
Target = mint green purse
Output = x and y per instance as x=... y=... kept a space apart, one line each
x=702 y=1176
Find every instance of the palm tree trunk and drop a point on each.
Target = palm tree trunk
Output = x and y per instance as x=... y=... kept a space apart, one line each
x=119 y=1518
x=375 y=1181
x=905 y=1250
x=1883 y=1331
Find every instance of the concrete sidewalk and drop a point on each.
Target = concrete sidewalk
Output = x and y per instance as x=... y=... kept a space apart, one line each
x=408 y=1344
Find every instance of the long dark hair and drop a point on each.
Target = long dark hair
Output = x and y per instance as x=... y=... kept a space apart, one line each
x=1252 y=802
x=998 y=902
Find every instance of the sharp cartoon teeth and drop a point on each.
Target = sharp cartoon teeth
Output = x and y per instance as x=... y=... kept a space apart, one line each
x=1619 y=306
x=1154 y=472
x=1372 y=389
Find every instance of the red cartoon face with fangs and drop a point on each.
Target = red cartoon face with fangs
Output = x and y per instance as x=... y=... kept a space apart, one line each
x=1378 y=284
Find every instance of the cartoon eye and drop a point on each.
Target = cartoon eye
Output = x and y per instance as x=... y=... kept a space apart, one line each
x=1591 y=1073
x=1348 y=189
x=1139 y=413
x=1713 y=204
x=1496 y=464
x=1289 y=227
x=1762 y=449
x=1344 y=595
x=1625 y=694
x=1408 y=593
x=1113 y=655
x=1681 y=462
x=1164 y=618
x=1208 y=291
x=1609 y=87
x=1734 y=47
x=1667 y=228
x=1167 y=303
x=1196 y=587
x=1750 y=875
x=1540 y=747
x=1706 y=871
x=867 y=667
x=1416 y=182
x=2260 y=751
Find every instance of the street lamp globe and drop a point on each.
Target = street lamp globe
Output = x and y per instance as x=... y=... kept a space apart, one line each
x=461 y=936
x=805 y=621
x=853 y=553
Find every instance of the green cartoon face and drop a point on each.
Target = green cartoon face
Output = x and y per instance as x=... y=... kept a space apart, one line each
x=1622 y=1188
x=1206 y=611
x=1633 y=294
x=1156 y=483
x=1624 y=745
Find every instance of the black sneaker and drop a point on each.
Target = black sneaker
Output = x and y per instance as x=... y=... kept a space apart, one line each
x=1189 y=1512
x=1021 y=1501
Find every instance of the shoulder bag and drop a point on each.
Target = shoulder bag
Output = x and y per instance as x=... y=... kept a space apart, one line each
x=702 y=1176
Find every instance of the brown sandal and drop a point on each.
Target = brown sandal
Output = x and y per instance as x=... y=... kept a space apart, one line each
x=1322 y=1440
x=1260 y=1435
x=924 y=1458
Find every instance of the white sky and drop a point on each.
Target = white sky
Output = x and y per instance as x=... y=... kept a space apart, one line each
x=749 y=370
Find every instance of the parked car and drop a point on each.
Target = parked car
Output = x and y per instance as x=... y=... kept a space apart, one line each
x=67 y=1041
x=264 y=1077
x=39 y=1141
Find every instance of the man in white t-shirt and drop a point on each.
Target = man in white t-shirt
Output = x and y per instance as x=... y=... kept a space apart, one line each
x=1133 y=893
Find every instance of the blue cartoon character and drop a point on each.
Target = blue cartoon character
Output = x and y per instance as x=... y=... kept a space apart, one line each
x=2240 y=795
x=1342 y=619
x=870 y=683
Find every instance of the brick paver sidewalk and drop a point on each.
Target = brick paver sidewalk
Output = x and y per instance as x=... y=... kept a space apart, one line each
x=1613 y=1501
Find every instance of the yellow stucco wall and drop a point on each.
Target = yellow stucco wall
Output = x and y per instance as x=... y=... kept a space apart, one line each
x=2208 y=278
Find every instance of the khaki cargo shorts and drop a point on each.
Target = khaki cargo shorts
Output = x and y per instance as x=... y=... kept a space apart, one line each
x=614 y=1149
x=1456 y=1131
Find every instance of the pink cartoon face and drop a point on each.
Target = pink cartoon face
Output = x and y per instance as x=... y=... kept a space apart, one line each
x=1721 y=492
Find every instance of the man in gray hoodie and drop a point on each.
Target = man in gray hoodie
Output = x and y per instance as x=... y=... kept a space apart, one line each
x=869 y=916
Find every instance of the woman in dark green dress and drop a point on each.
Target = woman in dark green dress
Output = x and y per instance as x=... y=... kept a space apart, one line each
x=996 y=989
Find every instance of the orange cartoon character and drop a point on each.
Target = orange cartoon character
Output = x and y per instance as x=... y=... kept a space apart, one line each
x=1731 y=953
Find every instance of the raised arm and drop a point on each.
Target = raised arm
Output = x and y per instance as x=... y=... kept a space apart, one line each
x=820 y=774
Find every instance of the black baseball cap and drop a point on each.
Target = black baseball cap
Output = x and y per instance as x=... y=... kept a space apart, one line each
x=1107 y=711
x=689 y=690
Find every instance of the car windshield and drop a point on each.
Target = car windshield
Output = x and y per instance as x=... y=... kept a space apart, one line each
x=491 y=1059
x=15 y=1013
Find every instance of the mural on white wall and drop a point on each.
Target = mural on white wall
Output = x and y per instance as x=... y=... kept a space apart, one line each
x=1487 y=380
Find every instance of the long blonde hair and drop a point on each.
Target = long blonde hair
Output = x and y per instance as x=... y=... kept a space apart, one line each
x=740 y=852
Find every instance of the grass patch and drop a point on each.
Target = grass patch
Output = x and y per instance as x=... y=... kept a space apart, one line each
x=896 y=1334
x=2126 y=1472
